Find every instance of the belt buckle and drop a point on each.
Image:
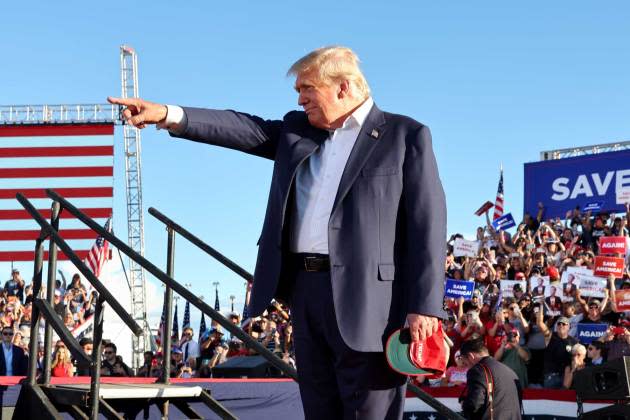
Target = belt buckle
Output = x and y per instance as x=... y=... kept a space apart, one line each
x=307 y=266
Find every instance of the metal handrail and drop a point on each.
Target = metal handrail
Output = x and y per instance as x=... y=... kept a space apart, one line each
x=201 y=244
x=172 y=225
x=89 y=275
x=178 y=288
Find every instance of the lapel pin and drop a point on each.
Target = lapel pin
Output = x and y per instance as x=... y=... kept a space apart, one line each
x=374 y=133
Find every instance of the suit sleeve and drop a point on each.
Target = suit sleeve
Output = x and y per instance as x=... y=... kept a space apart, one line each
x=425 y=225
x=475 y=392
x=233 y=130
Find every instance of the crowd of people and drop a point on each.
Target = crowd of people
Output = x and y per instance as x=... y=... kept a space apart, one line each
x=532 y=331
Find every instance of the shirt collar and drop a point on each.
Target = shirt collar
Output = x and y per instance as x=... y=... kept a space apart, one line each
x=359 y=115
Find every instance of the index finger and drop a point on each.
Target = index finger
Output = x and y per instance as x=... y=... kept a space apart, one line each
x=121 y=101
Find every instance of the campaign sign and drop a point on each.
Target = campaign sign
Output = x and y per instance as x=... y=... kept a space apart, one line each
x=623 y=196
x=569 y=282
x=612 y=245
x=564 y=184
x=504 y=222
x=538 y=286
x=459 y=288
x=593 y=207
x=484 y=208
x=464 y=248
x=592 y=286
x=507 y=287
x=586 y=333
x=579 y=270
x=605 y=266
x=622 y=297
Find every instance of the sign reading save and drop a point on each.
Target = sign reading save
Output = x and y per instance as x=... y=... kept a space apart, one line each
x=605 y=266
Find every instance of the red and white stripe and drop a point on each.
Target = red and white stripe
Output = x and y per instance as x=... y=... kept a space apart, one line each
x=77 y=161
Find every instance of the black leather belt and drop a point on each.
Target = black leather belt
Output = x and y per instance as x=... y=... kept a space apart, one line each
x=311 y=262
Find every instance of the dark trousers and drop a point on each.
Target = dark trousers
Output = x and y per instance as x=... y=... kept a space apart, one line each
x=337 y=382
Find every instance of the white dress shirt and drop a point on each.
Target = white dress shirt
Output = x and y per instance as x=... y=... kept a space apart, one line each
x=317 y=178
x=8 y=358
x=190 y=349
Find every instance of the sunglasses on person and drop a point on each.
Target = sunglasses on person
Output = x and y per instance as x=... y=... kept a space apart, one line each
x=7 y=333
x=591 y=348
x=593 y=306
x=562 y=323
x=108 y=352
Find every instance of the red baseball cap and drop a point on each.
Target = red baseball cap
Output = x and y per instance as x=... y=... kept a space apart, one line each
x=417 y=358
x=552 y=272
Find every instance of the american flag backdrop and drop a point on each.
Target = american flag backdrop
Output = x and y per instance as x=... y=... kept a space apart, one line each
x=77 y=161
x=498 y=203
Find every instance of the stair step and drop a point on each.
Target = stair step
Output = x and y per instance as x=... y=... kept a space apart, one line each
x=78 y=394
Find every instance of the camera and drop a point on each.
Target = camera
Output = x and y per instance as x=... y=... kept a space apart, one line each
x=510 y=336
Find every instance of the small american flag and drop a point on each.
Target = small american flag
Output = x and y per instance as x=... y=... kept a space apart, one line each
x=186 y=322
x=245 y=320
x=202 y=326
x=160 y=332
x=175 y=334
x=216 y=301
x=498 y=203
x=99 y=253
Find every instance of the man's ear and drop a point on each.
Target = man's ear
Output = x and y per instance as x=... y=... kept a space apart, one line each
x=344 y=89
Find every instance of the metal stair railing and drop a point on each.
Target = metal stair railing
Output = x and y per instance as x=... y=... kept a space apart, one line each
x=175 y=286
x=45 y=307
x=172 y=226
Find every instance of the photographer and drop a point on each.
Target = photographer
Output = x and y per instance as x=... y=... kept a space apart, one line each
x=616 y=342
x=511 y=354
x=113 y=364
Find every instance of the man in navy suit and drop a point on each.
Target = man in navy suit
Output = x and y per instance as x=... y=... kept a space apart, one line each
x=13 y=361
x=354 y=236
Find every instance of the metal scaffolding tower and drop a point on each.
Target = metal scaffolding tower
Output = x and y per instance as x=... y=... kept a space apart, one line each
x=135 y=224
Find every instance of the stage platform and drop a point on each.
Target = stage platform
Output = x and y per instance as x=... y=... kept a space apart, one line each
x=278 y=399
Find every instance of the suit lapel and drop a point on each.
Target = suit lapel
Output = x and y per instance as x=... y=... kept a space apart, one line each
x=371 y=133
x=311 y=139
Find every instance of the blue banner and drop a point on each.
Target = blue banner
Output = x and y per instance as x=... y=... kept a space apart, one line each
x=593 y=207
x=504 y=222
x=459 y=288
x=590 y=332
x=564 y=184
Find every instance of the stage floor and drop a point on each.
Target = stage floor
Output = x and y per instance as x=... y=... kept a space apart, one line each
x=277 y=399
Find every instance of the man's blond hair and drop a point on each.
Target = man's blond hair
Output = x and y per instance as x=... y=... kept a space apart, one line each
x=333 y=65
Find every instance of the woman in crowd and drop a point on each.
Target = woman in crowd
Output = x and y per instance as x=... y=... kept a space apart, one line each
x=62 y=363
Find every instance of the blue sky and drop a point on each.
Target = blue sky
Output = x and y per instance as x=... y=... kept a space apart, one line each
x=495 y=82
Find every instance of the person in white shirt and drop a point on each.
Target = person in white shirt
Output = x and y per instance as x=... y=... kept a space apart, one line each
x=190 y=348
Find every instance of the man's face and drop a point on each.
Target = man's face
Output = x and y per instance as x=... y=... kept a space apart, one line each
x=7 y=335
x=88 y=348
x=321 y=102
x=109 y=354
x=187 y=334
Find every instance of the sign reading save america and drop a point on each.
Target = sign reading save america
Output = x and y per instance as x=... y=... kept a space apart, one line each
x=622 y=297
x=612 y=245
x=605 y=266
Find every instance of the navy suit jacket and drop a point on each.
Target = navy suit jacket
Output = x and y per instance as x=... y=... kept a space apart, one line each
x=387 y=229
x=20 y=362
